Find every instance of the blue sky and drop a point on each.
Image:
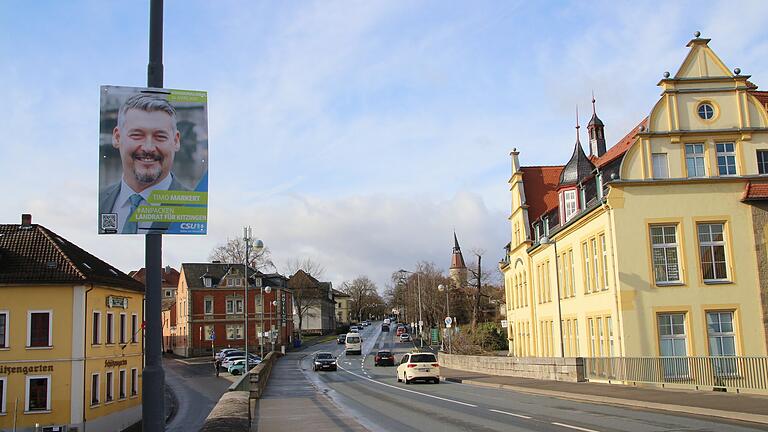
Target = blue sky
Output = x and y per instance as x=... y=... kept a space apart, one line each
x=357 y=133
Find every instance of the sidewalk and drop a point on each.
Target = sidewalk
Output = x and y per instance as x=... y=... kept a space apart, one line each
x=291 y=403
x=734 y=406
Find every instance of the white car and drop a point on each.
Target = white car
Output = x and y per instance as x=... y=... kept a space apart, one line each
x=418 y=366
x=353 y=344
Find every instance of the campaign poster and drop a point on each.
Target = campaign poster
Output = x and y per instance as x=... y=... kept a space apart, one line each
x=153 y=161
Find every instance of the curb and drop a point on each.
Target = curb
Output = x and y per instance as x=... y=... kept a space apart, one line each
x=706 y=412
x=174 y=404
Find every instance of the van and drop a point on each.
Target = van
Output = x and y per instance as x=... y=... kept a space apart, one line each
x=353 y=344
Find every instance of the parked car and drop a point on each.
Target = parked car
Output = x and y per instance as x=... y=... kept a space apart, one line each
x=400 y=330
x=418 y=366
x=384 y=358
x=236 y=355
x=405 y=337
x=324 y=361
x=237 y=367
x=341 y=339
x=223 y=351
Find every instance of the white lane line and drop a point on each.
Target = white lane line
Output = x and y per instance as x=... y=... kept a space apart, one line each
x=409 y=391
x=510 y=414
x=574 y=427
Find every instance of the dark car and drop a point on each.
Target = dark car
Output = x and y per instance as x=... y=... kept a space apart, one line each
x=324 y=361
x=384 y=358
x=385 y=327
x=342 y=339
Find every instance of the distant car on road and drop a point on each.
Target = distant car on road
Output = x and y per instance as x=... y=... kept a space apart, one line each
x=237 y=367
x=341 y=339
x=418 y=366
x=324 y=361
x=405 y=337
x=385 y=327
x=354 y=329
x=384 y=358
x=400 y=330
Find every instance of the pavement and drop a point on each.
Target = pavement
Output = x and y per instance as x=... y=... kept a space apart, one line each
x=733 y=406
x=291 y=403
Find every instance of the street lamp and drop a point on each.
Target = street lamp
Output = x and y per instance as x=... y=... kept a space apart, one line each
x=418 y=288
x=272 y=308
x=442 y=288
x=546 y=240
x=266 y=289
x=258 y=245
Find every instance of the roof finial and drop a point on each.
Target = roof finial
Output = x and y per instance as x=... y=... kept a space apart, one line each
x=593 y=102
x=577 y=123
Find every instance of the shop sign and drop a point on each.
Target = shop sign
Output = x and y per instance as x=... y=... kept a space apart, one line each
x=121 y=302
x=10 y=370
x=115 y=363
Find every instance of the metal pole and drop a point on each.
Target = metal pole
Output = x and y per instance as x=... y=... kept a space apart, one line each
x=559 y=300
x=448 y=314
x=418 y=288
x=247 y=240
x=261 y=332
x=153 y=376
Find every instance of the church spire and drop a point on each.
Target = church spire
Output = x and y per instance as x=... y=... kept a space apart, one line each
x=458 y=270
x=596 y=130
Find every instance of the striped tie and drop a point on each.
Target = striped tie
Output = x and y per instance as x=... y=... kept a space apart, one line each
x=131 y=226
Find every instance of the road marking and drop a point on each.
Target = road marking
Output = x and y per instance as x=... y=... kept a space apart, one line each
x=510 y=414
x=409 y=391
x=574 y=427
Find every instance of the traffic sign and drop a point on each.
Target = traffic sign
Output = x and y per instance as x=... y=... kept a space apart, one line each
x=448 y=321
x=504 y=324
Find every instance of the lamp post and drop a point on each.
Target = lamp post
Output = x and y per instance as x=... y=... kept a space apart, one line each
x=442 y=288
x=273 y=307
x=267 y=290
x=258 y=245
x=418 y=288
x=546 y=240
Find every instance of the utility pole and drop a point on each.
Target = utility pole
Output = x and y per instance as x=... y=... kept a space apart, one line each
x=153 y=376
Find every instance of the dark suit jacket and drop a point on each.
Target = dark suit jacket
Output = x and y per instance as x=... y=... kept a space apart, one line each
x=108 y=196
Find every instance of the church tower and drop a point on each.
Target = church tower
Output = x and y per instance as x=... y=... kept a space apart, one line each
x=458 y=270
x=596 y=130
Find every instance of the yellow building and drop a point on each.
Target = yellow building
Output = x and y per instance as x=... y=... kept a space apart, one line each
x=70 y=336
x=657 y=245
x=342 y=307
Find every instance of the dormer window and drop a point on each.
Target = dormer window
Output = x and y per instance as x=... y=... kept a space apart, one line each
x=207 y=282
x=570 y=204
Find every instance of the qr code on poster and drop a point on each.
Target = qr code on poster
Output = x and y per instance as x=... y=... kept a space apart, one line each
x=109 y=221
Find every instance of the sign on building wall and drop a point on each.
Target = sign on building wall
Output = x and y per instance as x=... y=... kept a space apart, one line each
x=121 y=302
x=153 y=161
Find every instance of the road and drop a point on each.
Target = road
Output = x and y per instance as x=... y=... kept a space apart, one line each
x=196 y=389
x=373 y=397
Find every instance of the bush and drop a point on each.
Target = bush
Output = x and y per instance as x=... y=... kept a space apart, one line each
x=485 y=339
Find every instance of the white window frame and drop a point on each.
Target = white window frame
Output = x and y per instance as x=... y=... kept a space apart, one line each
x=206 y=332
x=595 y=250
x=664 y=247
x=26 y=394
x=110 y=330
x=109 y=387
x=206 y=301
x=134 y=327
x=6 y=339
x=231 y=330
x=726 y=154
x=98 y=389
x=721 y=334
x=50 y=329
x=123 y=328
x=570 y=204
x=609 y=324
x=207 y=282
x=238 y=305
x=694 y=155
x=96 y=324
x=585 y=258
x=674 y=367
x=600 y=336
x=711 y=245
x=122 y=377
x=704 y=113
x=134 y=382
x=660 y=165
x=230 y=306
x=604 y=251
x=168 y=293
x=761 y=155
x=3 y=394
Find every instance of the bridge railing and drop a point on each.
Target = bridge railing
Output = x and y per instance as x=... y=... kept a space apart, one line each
x=730 y=373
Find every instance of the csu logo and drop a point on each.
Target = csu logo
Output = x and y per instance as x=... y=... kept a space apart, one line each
x=192 y=226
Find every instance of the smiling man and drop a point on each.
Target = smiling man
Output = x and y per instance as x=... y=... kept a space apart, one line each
x=147 y=139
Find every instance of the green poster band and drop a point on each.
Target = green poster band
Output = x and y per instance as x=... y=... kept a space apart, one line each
x=169 y=214
x=178 y=197
x=187 y=96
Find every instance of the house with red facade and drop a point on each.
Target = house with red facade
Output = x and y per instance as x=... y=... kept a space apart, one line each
x=211 y=305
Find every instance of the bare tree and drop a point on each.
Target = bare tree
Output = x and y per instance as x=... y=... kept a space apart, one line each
x=233 y=252
x=365 y=296
x=304 y=282
x=483 y=281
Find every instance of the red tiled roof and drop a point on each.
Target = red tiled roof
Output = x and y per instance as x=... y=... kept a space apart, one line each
x=540 y=185
x=169 y=275
x=755 y=191
x=620 y=147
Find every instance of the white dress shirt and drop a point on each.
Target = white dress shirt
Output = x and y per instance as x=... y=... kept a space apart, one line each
x=123 y=203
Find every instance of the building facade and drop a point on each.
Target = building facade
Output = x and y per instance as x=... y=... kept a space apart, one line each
x=70 y=336
x=314 y=304
x=655 y=246
x=169 y=280
x=342 y=307
x=211 y=309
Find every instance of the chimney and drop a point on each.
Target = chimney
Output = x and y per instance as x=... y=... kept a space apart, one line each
x=26 y=219
x=515 y=161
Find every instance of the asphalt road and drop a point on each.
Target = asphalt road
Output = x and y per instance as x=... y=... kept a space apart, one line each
x=196 y=389
x=373 y=397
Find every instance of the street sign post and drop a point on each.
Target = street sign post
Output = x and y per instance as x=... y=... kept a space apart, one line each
x=448 y=322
